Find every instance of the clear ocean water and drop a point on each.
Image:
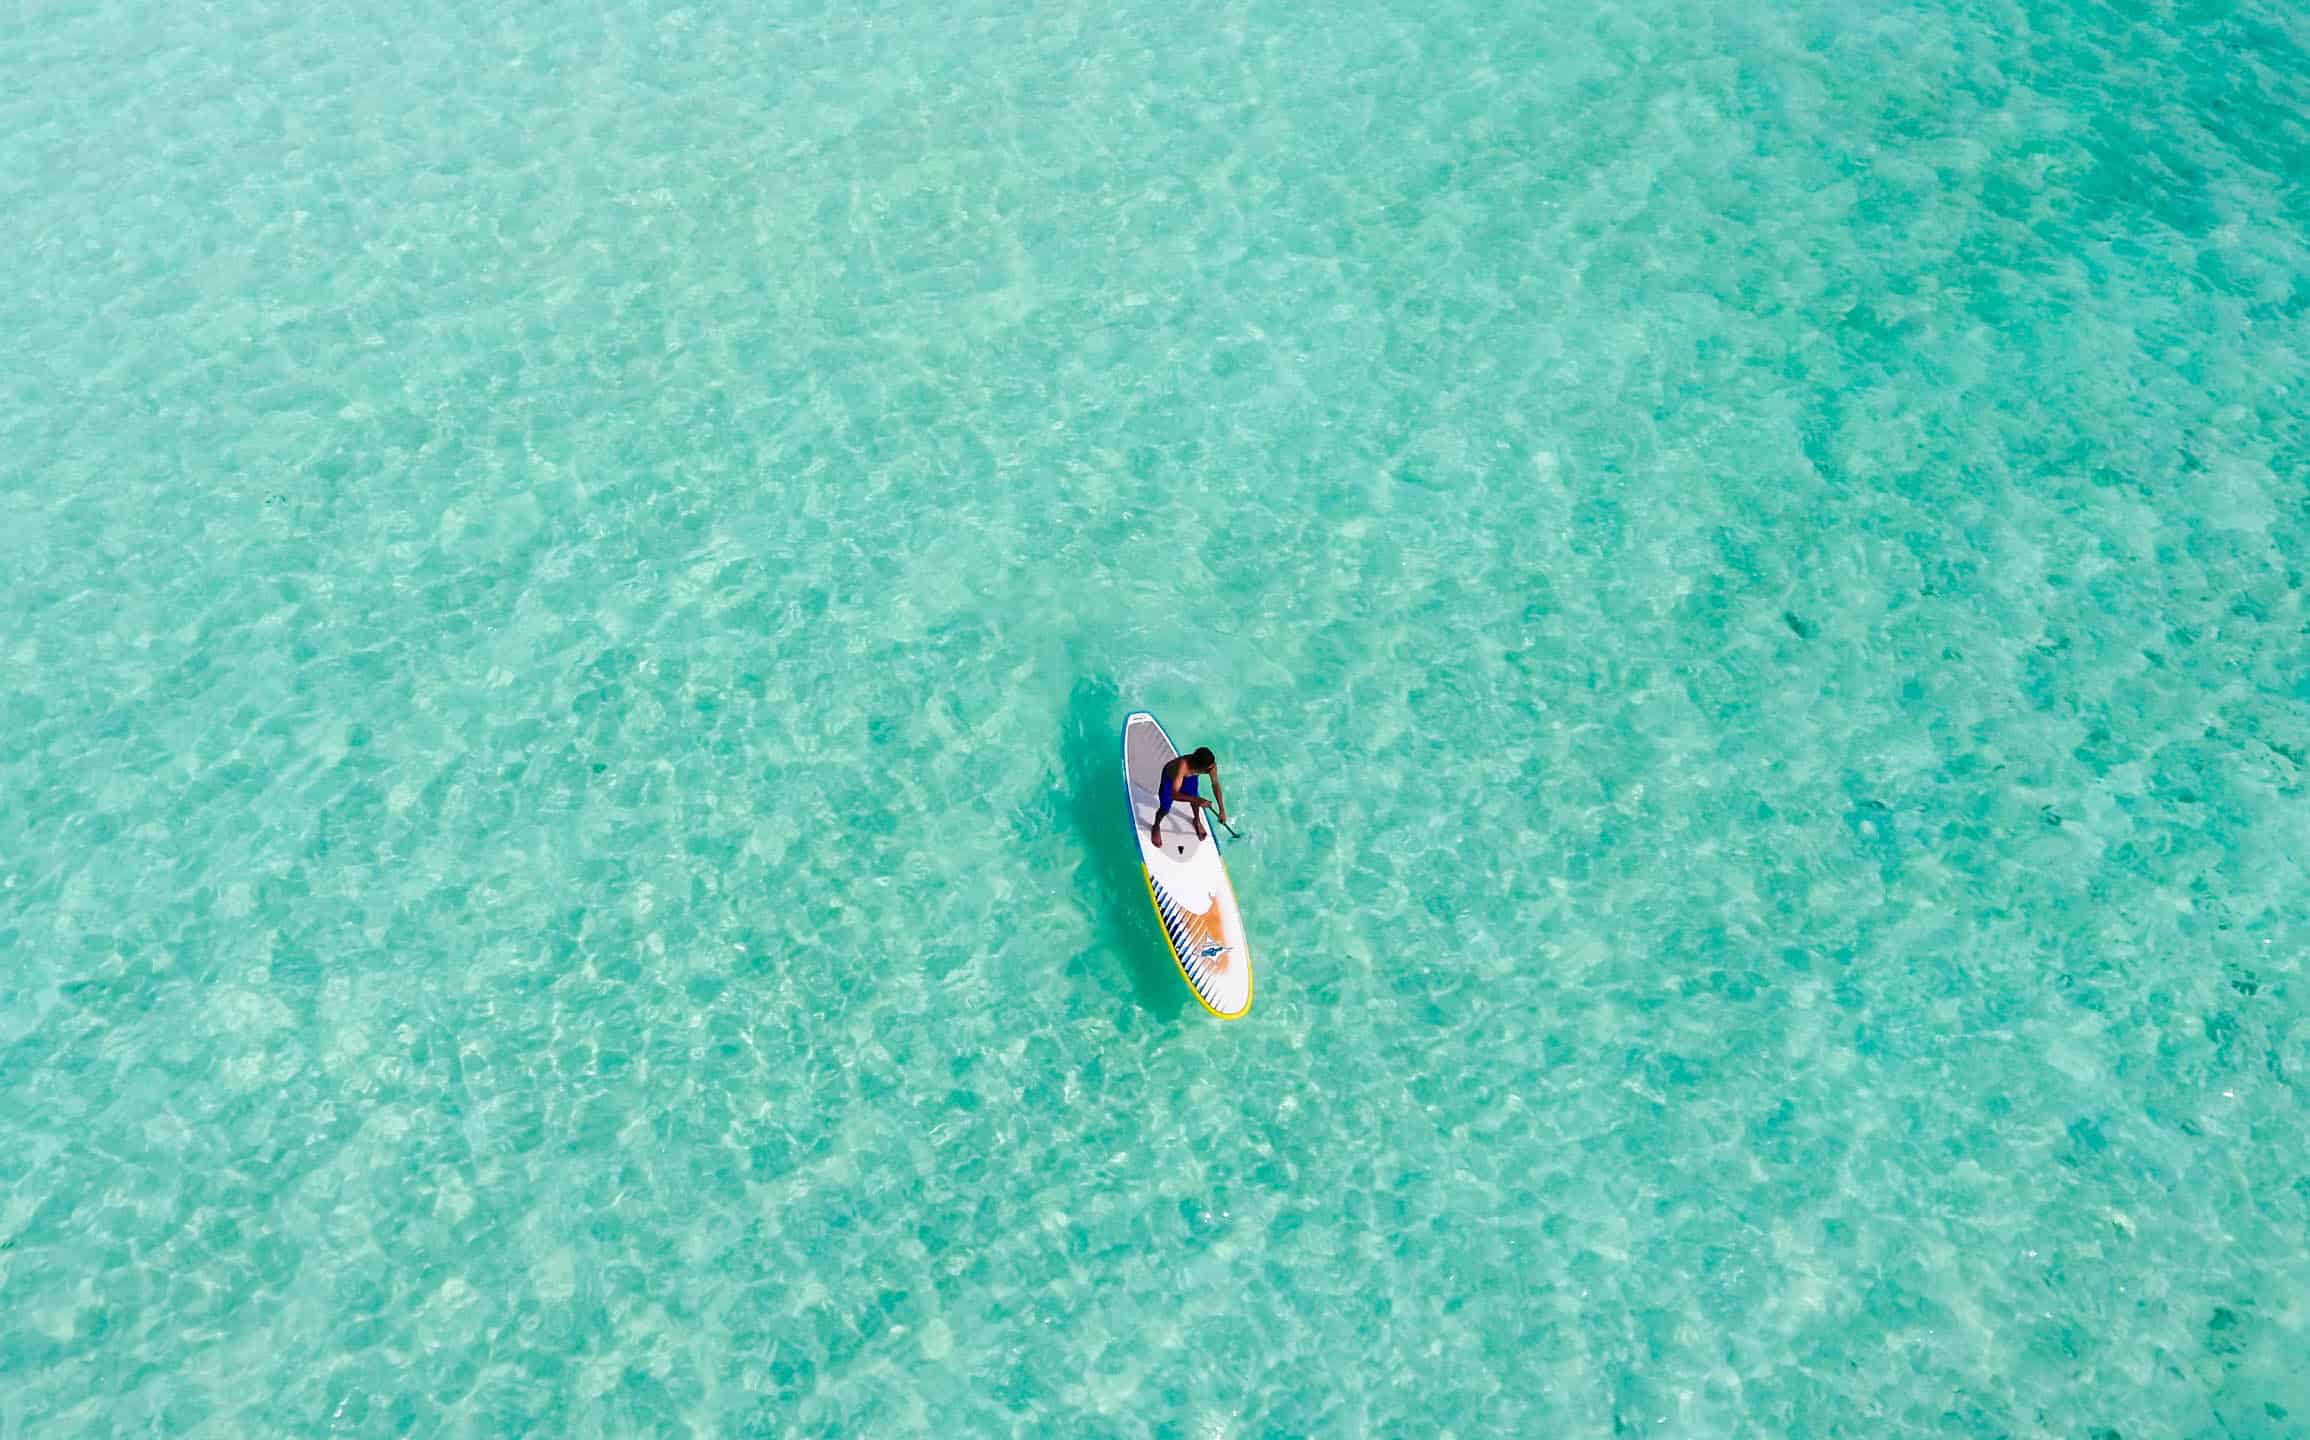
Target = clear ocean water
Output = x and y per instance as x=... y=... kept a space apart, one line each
x=569 y=574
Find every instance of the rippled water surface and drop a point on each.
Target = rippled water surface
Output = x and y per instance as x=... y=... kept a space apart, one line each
x=568 y=576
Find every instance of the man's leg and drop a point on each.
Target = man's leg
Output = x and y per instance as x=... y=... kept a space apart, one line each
x=1191 y=795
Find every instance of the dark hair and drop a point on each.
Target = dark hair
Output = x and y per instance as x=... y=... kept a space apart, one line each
x=1203 y=759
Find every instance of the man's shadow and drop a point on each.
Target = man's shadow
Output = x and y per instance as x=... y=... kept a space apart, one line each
x=1123 y=926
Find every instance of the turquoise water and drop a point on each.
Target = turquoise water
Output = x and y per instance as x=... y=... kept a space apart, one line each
x=570 y=575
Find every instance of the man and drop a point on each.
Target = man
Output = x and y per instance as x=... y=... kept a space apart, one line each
x=1182 y=777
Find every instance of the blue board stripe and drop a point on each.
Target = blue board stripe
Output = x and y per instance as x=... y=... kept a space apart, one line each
x=1193 y=962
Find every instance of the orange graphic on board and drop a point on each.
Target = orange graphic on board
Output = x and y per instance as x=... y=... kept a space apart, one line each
x=1204 y=932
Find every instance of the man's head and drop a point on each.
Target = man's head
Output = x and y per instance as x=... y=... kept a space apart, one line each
x=1203 y=759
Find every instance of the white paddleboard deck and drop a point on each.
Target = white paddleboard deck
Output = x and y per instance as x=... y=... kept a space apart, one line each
x=1186 y=879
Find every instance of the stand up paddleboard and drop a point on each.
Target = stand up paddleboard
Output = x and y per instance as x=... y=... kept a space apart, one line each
x=1186 y=879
